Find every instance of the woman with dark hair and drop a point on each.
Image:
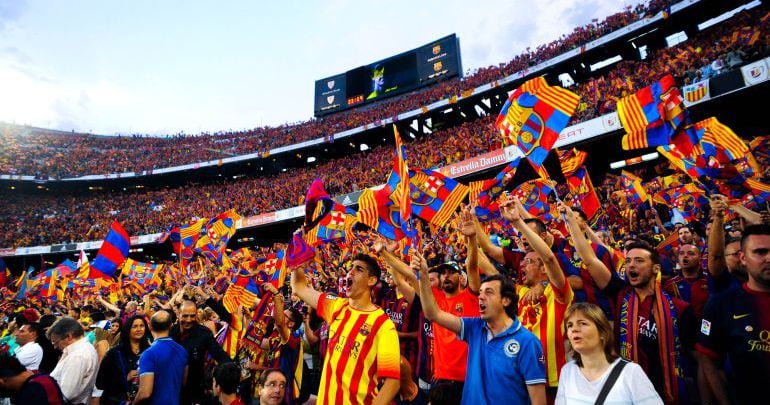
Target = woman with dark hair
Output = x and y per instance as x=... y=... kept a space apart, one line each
x=592 y=349
x=118 y=374
x=116 y=325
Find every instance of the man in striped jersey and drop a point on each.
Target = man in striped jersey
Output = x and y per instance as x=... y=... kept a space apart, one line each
x=363 y=343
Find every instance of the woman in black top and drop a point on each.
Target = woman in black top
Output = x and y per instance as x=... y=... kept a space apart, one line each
x=118 y=373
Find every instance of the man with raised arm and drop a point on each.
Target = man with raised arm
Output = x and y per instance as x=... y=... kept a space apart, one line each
x=363 y=344
x=505 y=361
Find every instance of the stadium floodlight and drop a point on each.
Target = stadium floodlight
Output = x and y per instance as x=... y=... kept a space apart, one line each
x=364 y=147
x=311 y=159
x=634 y=160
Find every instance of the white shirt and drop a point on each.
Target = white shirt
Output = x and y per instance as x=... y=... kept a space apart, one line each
x=30 y=355
x=76 y=371
x=631 y=387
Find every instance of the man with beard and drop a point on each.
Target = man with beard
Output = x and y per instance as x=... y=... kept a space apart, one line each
x=653 y=328
x=363 y=344
x=736 y=326
x=199 y=343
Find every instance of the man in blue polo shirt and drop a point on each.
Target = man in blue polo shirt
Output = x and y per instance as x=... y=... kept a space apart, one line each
x=505 y=360
x=162 y=367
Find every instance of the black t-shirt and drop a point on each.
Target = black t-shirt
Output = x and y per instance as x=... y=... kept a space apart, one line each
x=736 y=324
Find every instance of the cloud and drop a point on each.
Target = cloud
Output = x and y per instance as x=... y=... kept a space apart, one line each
x=10 y=11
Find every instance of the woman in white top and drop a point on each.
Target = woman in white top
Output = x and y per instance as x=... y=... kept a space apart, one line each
x=593 y=357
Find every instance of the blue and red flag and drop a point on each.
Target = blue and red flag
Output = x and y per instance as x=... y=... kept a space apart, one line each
x=112 y=254
x=243 y=289
x=486 y=200
x=652 y=115
x=534 y=197
x=398 y=181
x=535 y=117
x=581 y=187
x=435 y=197
x=273 y=270
x=212 y=242
x=298 y=251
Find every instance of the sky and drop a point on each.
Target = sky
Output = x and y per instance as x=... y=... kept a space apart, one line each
x=166 y=67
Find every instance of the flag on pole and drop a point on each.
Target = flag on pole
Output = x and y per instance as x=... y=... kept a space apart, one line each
x=112 y=254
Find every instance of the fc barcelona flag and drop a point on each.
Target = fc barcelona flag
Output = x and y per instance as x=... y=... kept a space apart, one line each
x=535 y=118
x=112 y=254
x=273 y=270
x=336 y=224
x=571 y=160
x=378 y=211
x=491 y=189
x=652 y=115
x=720 y=141
x=435 y=197
x=215 y=235
x=581 y=187
x=534 y=197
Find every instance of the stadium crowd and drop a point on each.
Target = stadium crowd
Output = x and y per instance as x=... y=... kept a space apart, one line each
x=61 y=218
x=44 y=154
x=480 y=312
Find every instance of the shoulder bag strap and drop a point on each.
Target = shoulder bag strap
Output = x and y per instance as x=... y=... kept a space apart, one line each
x=614 y=374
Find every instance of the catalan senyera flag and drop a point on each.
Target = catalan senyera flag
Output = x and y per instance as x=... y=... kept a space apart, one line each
x=490 y=190
x=434 y=197
x=535 y=118
x=112 y=254
x=652 y=115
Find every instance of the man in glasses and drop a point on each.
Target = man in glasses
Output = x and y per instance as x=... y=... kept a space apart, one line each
x=77 y=367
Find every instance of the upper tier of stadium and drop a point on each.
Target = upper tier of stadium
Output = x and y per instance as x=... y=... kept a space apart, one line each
x=62 y=216
x=51 y=155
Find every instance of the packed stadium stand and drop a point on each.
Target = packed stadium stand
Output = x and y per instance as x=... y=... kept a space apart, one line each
x=37 y=217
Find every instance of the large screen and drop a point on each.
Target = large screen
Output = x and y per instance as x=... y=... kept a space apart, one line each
x=419 y=67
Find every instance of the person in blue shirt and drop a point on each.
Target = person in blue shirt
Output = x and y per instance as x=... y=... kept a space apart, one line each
x=162 y=367
x=505 y=360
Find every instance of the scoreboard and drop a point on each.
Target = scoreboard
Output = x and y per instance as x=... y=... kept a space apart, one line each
x=438 y=60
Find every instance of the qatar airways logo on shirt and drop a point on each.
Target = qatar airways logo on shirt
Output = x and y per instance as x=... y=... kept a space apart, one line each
x=346 y=346
x=647 y=328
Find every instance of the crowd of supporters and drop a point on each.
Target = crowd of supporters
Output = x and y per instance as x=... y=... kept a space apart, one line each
x=48 y=219
x=47 y=154
x=480 y=312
